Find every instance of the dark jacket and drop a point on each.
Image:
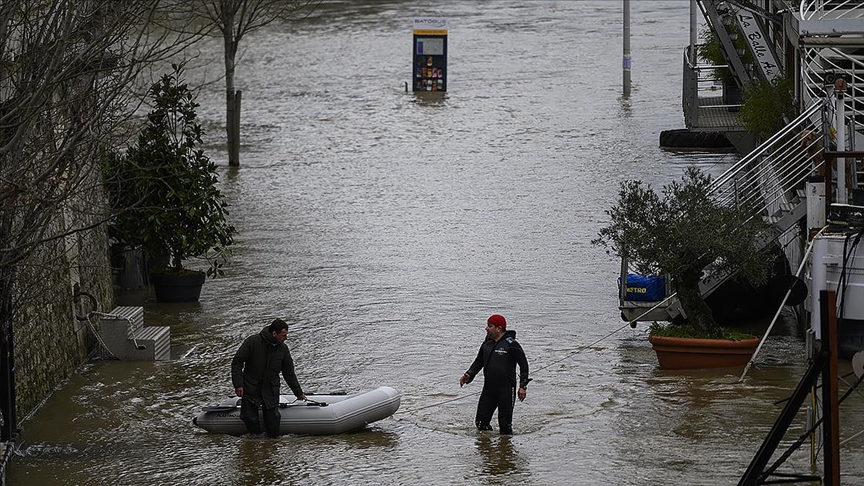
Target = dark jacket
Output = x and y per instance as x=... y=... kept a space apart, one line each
x=256 y=367
x=498 y=361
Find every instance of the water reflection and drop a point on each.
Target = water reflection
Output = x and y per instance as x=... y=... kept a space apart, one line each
x=430 y=99
x=499 y=456
x=254 y=462
x=369 y=438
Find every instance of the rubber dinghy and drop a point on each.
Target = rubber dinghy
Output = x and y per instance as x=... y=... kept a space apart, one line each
x=319 y=415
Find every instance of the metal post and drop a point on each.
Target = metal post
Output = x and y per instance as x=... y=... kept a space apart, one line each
x=626 y=62
x=840 y=125
x=693 y=9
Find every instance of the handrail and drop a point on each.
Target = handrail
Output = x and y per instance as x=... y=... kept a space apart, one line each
x=761 y=182
x=813 y=8
x=718 y=183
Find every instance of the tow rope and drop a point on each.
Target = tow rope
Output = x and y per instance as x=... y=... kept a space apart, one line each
x=567 y=356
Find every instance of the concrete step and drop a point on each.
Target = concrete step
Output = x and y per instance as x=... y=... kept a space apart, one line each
x=133 y=315
x=127 y=338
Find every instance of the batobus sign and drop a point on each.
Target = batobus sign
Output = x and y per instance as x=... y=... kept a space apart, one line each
x=430 y=54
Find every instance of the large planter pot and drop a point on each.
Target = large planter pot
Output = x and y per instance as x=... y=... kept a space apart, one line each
x=174 y=287
x=690 y=353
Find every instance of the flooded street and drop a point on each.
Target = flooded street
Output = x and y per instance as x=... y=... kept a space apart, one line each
x=385 y=227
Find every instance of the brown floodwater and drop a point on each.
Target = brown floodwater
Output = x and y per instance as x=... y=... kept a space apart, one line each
x=385 y=227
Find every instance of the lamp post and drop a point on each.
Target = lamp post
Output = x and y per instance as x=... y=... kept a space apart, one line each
x=626 y=60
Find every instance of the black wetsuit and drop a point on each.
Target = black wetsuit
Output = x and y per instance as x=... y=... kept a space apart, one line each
x=498 y=360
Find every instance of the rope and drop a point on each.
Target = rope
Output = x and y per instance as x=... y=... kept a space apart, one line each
x=98 y=336
x=114 y=316
x=577 y=351
x=76 y=298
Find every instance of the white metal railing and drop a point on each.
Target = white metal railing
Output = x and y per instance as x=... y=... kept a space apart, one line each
x=703 y=90
x=830 y=9
x=818 y=63
x=760 y=180
x=765 y=181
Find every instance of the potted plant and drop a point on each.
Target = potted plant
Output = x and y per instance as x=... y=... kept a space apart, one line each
x=682 y=234
x=163 y=194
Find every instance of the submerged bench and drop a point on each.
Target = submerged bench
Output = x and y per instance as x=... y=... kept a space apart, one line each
x=126 y=336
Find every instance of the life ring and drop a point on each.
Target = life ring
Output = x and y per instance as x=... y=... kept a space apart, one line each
x=77 y=299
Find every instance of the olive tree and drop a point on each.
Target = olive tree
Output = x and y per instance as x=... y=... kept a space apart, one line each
x=684 y=233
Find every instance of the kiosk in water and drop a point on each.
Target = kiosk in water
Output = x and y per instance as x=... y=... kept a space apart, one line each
x=430 y=54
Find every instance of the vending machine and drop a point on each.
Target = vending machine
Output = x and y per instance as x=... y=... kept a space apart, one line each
x=430 y=54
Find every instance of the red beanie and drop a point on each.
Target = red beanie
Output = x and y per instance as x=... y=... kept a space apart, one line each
x=497 y=320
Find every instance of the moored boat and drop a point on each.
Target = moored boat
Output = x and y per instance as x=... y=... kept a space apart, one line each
x=318 y=415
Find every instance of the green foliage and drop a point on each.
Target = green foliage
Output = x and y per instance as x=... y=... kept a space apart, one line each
x=690 y=331
x=712 y=52
x=163 y=191
x=767 y=106
x=681 y=233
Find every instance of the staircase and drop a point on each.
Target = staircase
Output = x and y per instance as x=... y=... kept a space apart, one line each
x=127 y=338
x=744 y=32
x=731 y=20
x=769 y=182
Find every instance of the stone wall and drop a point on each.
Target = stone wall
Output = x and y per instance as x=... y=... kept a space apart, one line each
x=50 y=343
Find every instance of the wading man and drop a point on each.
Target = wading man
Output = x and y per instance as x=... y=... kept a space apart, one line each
x=255 y=373
x=498 y=356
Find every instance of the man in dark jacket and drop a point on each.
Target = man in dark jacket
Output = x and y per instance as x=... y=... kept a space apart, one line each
x=255 y=374
x=498 y=356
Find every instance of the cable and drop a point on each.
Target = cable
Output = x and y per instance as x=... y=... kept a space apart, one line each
x=578 y=350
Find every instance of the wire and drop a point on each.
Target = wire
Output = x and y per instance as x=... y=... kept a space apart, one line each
x=97 y=335
x=580 y=349
x=577 y=351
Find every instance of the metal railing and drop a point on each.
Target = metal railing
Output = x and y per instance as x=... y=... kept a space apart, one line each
x=768 y=175
x=830 y=9
x=819 y=65
x=704 y=99
x=764 y=184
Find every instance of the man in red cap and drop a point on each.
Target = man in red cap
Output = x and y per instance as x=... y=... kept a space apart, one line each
x=498 y=356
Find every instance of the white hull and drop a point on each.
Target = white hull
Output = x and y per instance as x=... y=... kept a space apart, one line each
x=340 y=414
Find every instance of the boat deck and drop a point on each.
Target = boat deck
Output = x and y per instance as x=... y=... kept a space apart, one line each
x=715 y=116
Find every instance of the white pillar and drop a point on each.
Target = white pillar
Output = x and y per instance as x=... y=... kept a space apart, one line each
x=815 y=207
x=818 y=275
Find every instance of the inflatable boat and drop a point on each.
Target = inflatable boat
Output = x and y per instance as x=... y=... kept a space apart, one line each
x=318 y=415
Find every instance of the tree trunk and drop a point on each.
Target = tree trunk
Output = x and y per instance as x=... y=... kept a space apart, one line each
x=698 y=312
x=234 y=145
x=232 y=125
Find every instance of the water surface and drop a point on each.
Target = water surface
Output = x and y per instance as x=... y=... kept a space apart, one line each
x=385 y=227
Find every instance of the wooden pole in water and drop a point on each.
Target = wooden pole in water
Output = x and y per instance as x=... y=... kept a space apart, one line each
x=830 y=401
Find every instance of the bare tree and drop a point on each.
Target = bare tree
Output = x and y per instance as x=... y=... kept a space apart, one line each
x=234 y=19
x=67 y=73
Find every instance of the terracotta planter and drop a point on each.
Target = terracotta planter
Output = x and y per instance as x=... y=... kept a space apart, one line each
x=691 y=353
x=185 y=287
